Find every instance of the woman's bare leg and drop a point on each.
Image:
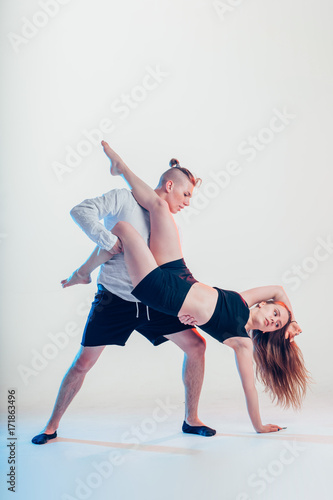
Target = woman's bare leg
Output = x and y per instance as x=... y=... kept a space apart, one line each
x=97 y=258
x=138 y=258
x=164 y=240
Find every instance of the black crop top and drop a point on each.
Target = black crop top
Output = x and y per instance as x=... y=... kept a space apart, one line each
x=229 y=317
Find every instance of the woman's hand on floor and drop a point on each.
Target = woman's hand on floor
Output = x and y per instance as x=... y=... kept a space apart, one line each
x=268 y=428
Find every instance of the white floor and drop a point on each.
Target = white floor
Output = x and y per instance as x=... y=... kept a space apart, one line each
x=141 y=453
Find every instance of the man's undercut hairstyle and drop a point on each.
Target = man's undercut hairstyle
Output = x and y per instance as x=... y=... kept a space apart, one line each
x=172 y=174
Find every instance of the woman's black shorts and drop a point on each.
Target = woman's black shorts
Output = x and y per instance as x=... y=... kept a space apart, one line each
x=166 y=287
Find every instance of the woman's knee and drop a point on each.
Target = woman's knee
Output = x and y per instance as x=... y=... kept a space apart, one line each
x=127 y=234
x=121 y=228
x=124 y=230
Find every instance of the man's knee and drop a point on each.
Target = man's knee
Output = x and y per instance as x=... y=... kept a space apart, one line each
x=195 y=345
x=86 y=358
x=199 y=346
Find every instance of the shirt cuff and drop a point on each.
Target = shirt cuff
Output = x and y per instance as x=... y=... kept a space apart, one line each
x=107 y=241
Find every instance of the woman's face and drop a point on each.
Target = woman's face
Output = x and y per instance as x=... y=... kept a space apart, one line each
x=269 y=317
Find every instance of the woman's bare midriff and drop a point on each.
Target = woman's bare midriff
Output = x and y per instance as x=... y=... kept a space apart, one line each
x=200 y=302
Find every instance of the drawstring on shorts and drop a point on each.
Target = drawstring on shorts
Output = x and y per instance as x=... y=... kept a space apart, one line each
x=137 y=311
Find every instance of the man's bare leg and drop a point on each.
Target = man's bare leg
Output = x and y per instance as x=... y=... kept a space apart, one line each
x=193 y=373
x=194 y=346
x=70 y=386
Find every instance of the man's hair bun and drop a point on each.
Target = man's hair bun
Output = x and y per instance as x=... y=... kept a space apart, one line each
x=173 y=162
x=172 y=174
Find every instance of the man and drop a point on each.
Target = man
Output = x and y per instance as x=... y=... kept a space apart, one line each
x=115 y=313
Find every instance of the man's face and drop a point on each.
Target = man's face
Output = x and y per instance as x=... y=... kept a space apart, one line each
x=178 y=194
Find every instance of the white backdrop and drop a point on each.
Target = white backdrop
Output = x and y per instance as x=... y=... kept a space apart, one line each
x=239 y=92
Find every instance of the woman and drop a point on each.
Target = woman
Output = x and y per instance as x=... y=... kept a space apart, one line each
x=162 y=281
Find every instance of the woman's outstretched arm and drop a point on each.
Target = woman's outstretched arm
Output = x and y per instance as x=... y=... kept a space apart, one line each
x=244 y=362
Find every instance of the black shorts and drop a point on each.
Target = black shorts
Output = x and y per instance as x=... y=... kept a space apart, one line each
x=112 y=320
x=165 y=288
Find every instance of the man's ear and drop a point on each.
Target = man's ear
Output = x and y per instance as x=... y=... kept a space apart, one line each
x=168 y=186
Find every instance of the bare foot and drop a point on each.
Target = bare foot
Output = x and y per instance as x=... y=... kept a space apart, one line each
x=116 y=161
x=76 y=279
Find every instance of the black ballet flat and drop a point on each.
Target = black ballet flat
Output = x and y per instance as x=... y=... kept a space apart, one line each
x=43 y=438
x=201 y=430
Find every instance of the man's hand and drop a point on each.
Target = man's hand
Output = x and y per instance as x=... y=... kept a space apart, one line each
x=117 y=248
x=292 y=330
x=186 y=319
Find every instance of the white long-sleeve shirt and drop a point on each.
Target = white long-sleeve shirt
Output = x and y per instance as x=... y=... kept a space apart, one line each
x=113 y=206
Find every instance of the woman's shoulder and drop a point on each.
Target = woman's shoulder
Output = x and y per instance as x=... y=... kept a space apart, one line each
x=232 y=296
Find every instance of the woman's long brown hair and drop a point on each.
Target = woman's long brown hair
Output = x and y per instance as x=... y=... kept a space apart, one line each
x=280 y=367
